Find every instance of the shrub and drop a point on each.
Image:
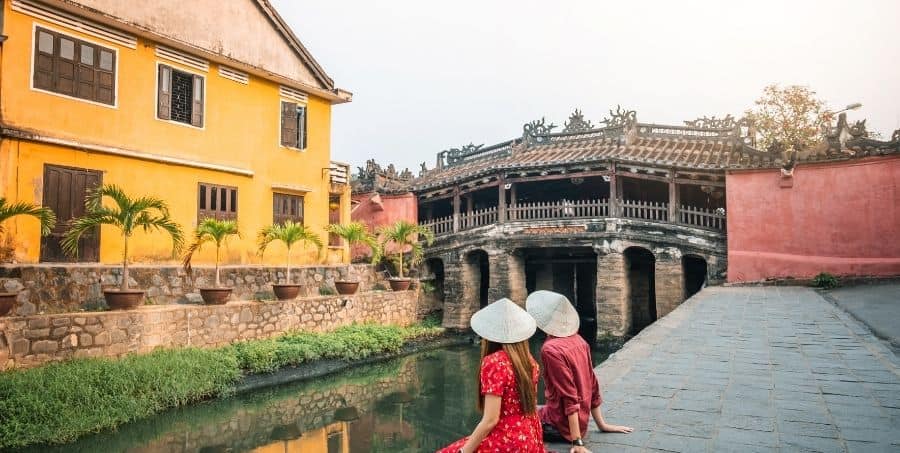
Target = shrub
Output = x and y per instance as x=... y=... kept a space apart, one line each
x=326 y=290
x=59 y=402
x=826 y=281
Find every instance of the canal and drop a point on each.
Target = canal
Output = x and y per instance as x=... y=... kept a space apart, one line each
x=411 y=404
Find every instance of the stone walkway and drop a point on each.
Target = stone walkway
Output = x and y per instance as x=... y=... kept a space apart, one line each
x=877 y=305
x=752 y=369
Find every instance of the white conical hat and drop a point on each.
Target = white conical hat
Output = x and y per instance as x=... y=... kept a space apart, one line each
x=503 y=322
x=553 y=313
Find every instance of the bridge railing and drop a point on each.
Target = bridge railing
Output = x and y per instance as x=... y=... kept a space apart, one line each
x=549 y=210
x=703 y=218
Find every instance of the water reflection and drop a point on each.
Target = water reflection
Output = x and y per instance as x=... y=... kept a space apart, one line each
x=411 y=404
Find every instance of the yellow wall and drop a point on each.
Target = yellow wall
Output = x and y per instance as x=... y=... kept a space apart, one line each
x=241 y=129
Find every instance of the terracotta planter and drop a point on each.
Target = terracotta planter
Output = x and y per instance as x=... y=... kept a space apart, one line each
x=215 y=296
x=123 y=300
x=400 y=284
x=286 y=292
x=7 y=302
x=344 y=287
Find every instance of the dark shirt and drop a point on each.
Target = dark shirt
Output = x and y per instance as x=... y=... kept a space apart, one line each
x=570 y=384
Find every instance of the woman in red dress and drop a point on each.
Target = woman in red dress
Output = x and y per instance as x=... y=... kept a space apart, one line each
x=507 y=384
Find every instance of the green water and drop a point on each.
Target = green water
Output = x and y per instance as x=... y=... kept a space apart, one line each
x=416 y=403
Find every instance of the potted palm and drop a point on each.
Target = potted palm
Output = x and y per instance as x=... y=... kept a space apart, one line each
x=354 y=233
x=289 y=233
x=128 y=215
x=9 y=210
x=215 y=231
x=404 y=236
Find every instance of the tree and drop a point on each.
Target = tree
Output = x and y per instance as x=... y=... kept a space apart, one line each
x=788 y=118
x=128 y=215
x=210 y=230
x=405 y=236
x=356 y=233
x=44 y=215
x=289 y=233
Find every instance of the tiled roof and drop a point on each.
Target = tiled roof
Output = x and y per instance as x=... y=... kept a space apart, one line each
x=707 y=145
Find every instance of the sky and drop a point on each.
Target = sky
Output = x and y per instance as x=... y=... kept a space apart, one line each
x=428 y=76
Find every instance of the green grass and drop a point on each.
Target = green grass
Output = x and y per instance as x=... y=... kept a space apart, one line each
x=59 y=402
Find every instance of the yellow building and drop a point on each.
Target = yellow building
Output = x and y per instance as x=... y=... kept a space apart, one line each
x=214 y=106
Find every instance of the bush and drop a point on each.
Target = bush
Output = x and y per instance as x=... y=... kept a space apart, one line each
x=59 y=402
x=826 y=281
x=326 y=290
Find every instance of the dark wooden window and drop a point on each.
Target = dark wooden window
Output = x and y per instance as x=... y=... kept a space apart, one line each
x=287 y=207
x=293 y=125
x=70 y=66
x=65 y=189
x=179 y=96
x=216 y=202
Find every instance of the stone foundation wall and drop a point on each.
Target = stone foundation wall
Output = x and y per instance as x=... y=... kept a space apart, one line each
x=28 y=341
x=61 y=288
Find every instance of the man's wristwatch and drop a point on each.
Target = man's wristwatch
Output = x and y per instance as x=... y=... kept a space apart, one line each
x=577 y=442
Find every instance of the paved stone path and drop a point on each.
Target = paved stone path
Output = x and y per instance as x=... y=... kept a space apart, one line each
x=752 y=369
x=876 y=305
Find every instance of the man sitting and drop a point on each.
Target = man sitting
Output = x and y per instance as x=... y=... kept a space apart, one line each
x=571 y=388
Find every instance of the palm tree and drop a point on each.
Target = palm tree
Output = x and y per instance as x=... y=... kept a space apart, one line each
x=210 y=230
x=128 y=215
x=44 y=215
x=356 y=233
x=405 y=235
x=290 y=233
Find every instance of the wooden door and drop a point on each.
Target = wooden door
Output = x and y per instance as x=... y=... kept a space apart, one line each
x=65 y=189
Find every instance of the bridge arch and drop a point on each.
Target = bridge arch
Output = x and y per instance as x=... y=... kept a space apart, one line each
x=640 y=273
x=695 y=270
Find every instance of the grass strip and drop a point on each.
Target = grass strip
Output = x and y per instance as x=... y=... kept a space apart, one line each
x=59 y=402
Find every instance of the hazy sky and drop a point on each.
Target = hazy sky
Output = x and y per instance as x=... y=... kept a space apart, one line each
x=428 y=76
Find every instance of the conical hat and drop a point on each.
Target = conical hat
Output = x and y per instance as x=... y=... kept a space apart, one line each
x=553 y=313
x=503 y=322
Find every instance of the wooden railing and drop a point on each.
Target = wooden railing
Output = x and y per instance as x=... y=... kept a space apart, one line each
x=441 y=225
x=578 y=209
x=644 y=210
x=703 y=218
x=477 y=218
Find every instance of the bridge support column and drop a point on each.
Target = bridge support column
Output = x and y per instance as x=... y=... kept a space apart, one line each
x=507 y=277
x=669 y=282
x=458 y=309
x=613 y=312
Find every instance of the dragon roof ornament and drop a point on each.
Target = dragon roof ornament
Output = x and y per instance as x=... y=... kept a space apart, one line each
x=577 y=123
x=620 y=117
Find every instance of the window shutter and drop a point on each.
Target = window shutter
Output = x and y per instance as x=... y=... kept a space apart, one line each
x=301 y=112
x=197 y=105
x=164 y=96
x=289 y=124
x=44 y=56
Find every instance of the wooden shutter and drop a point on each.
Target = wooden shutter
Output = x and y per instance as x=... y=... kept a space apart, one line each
x=106 y=76
x=197 y=103
x=289 y=124
x=301 y=113
x=45 y=44
x=164 y=93
x=65 y=65
x=216 y=202
x=86 y=76
x=287 y=207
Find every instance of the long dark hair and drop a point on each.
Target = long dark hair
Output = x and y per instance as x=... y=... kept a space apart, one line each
x=523 y=368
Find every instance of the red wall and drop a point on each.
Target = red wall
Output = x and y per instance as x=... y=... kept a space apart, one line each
x=395 y=207
x=842 y=218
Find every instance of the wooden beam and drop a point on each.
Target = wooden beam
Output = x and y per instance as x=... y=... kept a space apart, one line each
x=501 y=200
x=581 y=174
x=477 y=188
x=698 y=182
x=456 y=209
x=642 y=176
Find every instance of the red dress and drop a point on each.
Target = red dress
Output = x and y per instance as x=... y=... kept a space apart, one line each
x=515 y=431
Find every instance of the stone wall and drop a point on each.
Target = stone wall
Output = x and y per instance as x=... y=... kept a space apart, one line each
x=70 y=287
x=28 y=341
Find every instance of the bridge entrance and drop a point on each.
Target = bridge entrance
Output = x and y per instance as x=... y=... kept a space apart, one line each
x=568 y=271
x=640 y=267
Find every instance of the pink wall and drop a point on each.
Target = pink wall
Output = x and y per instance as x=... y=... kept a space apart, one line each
x=842 y=218
x=392 y=209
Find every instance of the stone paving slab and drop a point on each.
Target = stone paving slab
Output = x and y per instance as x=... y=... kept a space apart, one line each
x=752 y=369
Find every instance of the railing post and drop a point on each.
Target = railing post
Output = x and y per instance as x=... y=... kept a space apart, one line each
x=501 y=200
x=456 y=209
x=613 y=194
x=673 y=199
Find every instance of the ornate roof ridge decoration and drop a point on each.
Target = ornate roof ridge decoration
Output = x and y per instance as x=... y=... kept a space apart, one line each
x=577 y=123
x=375 y=178
x=620 y=117
x=534 y=131
x=711 y=122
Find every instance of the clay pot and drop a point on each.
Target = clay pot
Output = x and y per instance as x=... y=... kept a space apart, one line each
x=286 y=292
x=400 y=284
x=7 y=302
x=123 y=300
x=345 y=287
x=215 y=296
